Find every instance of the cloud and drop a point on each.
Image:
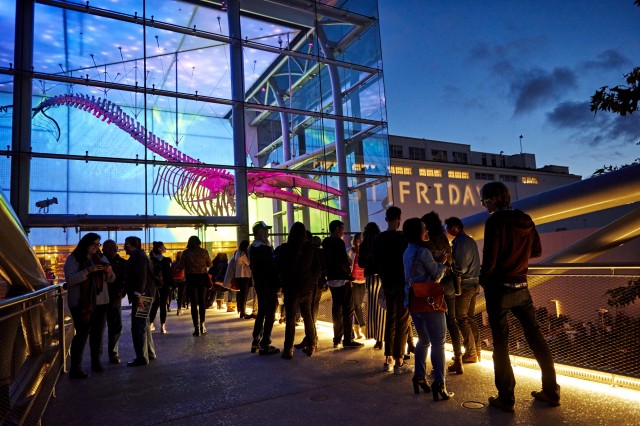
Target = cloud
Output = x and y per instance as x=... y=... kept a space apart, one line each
x=536 y=87
x=607 y=60
x=602 y=129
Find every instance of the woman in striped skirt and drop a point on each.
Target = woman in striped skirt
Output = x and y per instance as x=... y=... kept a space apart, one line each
x=376 y=315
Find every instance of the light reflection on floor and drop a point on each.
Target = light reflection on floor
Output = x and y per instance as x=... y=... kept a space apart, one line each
x=325 y=330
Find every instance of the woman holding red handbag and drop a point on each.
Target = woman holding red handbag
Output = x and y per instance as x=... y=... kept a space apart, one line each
x=430 y=323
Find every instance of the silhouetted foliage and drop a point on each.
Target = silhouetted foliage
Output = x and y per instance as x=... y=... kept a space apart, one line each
x=620 y=297
x=621 y=99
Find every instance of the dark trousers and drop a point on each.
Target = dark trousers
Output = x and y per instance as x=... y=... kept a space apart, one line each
x=114 y=326
x=182 y=293
x=395 y=334
x=452 y=325
x=292 y=302
x=267 y=304
x=160 y=302
x=197 y=286
x=96 y=334
x=80 y=338
x=499 y=303
x=241 y=297
x=198 y=298
x=357 y=290
x=316 y=296
x=341 y=313
x=141 y=336
x=465 y=317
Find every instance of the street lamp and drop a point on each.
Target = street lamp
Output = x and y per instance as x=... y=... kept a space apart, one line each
x=520 y=144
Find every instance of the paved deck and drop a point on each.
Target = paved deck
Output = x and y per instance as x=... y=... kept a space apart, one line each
x=214 y=379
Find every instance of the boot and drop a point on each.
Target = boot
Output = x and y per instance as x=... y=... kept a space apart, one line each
x=231 y=306
x=219 y=303
x=456 y=367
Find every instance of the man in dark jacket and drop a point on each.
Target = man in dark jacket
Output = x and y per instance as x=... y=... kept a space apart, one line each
x=388 y=248
x=265 y=278
x=116 y=292
x=338 y=266
x=467 y=262
x=139 y=283
x=510 y=239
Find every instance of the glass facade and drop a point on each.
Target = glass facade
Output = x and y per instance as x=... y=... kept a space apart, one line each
x=144 y=116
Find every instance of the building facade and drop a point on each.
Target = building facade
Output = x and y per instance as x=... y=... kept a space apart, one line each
x=446 y=177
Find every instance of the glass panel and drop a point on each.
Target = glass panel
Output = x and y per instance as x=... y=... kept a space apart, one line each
x=91 y=188
x=5 y=177
x=126 y=6
x=207 y=18
x=7 y=41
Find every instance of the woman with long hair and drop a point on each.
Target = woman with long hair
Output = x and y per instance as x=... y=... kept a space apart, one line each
x=196 y=262
x=87 y=273
x=163 y=264
x=439 y=245
x=358 y=288
x=376 y=315
x=298 y=266
x=420 y=266
x=243 y=277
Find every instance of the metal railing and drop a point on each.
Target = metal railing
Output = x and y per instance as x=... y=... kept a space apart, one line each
x=35 y=331
x=589 y=339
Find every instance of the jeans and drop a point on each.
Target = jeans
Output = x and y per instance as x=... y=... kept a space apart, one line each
x=357 y=290
x=452 y=325
x=293 y=301
x=395 y=335
x=341 y=313
x=431 y=328
x=465 y=317
x=267 y=304
x=114 y=326
x=499 y=302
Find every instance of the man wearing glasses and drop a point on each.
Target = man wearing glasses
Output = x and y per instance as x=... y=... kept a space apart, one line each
x=510 y=239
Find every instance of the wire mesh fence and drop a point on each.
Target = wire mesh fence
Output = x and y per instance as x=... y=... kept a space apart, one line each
x=582 y=330
x=31 y=358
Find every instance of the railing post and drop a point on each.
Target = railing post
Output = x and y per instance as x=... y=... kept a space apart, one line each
x=61 y=330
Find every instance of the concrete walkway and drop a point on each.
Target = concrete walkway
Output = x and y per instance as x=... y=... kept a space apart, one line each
x=214 y=379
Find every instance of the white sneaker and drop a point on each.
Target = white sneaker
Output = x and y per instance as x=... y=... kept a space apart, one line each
x=152 y=327
x=163 y=329
x=387 y=367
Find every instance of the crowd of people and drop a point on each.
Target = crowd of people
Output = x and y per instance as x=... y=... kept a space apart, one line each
x=381 y=265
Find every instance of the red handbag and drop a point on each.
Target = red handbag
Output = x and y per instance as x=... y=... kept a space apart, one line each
x=425 y=296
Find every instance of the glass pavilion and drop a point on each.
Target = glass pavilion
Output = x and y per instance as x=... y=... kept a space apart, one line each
x=155 y=117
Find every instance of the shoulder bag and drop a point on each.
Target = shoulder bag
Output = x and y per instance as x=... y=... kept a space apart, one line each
x=425 y=296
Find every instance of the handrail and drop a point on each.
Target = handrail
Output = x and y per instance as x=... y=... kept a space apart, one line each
x=563 y=268
x=32 y=295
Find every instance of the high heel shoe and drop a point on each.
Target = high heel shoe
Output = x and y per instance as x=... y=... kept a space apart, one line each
x=420 y=381
x=440 y=391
